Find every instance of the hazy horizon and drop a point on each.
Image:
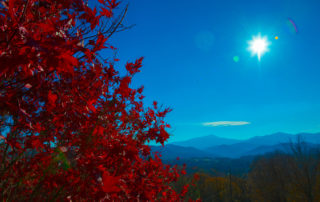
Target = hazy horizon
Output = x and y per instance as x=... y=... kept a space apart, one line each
x=239 y=138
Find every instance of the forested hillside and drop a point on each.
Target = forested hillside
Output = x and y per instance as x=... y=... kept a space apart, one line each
x=272 y=177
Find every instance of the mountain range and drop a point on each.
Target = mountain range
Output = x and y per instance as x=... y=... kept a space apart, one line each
x=213 y=146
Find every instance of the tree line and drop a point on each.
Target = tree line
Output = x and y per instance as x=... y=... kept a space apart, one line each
x=281 y=177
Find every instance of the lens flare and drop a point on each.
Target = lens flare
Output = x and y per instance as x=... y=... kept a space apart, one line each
x=258 y=46
x=236 y=58
x=292 y=25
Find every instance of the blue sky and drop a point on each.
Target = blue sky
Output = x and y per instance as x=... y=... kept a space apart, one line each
x=189 y=48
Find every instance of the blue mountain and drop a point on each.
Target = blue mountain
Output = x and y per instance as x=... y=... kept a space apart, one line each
x=262 y=144
x=213 y=146
x=206 y=141
x=170 y=152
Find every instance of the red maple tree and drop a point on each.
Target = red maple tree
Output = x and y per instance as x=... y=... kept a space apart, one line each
x=71 y=127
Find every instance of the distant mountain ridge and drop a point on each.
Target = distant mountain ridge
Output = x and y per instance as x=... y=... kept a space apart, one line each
x=213 y=146
x=205 y=141
x=171 y=151
x=274 y=141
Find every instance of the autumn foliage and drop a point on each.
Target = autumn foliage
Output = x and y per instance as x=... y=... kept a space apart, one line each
x=71 y=127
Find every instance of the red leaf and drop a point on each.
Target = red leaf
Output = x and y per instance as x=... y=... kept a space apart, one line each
x=46 y=27
x=99 y=44
x=155 y=104
x=98 y=130
x=124 y=86
x=11 y=7
x=106 y=12
x=36 y=143
x=52 y=98
x=67 y=62
x=91 y=105
x=113 y=3
x=134 y=67
x=71 y=60
x=110 y=183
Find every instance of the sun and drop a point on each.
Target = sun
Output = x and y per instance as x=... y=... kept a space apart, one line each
x=258 y=45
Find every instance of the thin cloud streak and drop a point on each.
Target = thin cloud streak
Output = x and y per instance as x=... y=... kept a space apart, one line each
x=225 y=123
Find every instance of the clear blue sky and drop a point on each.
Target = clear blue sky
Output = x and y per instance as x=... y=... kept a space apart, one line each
x=189 y=48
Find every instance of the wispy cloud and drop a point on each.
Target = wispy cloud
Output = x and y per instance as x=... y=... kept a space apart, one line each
x=225 y=123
